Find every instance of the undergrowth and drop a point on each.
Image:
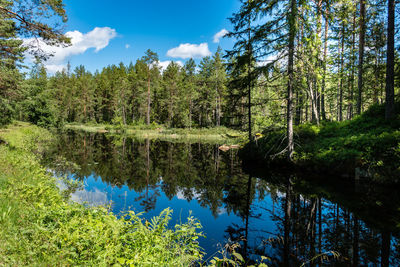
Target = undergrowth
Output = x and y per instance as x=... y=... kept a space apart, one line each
x=40 y=227
x=368 y=142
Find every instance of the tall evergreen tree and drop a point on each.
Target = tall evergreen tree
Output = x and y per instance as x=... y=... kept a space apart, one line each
x=361 y=44
x=37 y=19
x=243 y=48
x=190 y=87
x=218 y=78
x=151 y=60
x=390 y=110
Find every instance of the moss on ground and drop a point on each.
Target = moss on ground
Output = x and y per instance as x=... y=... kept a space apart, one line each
x=368 y=142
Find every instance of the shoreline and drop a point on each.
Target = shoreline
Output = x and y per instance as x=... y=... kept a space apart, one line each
x=218 y=135
x=41 y=226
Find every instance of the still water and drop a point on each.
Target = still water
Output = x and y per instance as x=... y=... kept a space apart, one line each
x=276 y=215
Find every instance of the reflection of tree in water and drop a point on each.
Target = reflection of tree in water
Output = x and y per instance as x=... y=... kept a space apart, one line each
x=309 y=226
x=148 y=199
x=192 y=170
x=307 y=223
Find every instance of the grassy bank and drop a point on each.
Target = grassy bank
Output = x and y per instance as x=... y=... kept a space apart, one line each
x=210 y=135
x=40 y=227
x=367 y=142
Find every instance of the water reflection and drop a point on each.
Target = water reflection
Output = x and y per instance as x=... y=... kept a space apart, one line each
x=275 y=215
x=80 y=193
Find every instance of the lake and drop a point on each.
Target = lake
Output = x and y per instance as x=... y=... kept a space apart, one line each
x=289 y=219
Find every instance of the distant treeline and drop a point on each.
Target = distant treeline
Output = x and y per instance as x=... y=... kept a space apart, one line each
x=178 y=96
x=306 y=62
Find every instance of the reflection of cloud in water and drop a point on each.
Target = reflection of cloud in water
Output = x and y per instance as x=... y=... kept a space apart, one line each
x=221 y=211
x=181 y=195
x=93 y=198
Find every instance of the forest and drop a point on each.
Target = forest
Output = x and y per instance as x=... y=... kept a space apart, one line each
x=308 y=93
x=293 y=63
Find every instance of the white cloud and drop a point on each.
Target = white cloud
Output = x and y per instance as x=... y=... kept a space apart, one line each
x=98 y=39
x=280 y=57
x=189 y=51
x=219 y=35
x=164 y=64
x=52 y=68
x=127 y=46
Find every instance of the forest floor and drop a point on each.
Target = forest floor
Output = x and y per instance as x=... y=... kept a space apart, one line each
x=366 y=146
x=221 y=135
x=40 y=226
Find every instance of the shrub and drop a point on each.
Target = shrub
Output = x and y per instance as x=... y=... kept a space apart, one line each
x=39 y=227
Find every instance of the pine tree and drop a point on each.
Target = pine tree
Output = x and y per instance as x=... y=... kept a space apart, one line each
x=37 y=19
x=218 y=78
x=190 y=88
x=11 y=55
x=243 y=50
x=361 y=45
x=11 y=50
x=151 y=60
x=172 y=84
x=390 y=109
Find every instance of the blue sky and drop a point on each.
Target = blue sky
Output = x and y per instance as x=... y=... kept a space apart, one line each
x=109 y=32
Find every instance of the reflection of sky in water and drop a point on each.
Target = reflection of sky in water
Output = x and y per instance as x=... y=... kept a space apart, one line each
x=97 y=192
x=217 y=181
x=94 y=197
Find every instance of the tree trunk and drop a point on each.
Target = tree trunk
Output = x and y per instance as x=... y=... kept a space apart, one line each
x=361 y=43
x=190 y=112
x=219 y=110
x=323 y=113
x=148 y=99
x=389 y=106
x=299 y=107
x=292 y=35
x=249 y=78
x=351 y=104
x=376 y=82
x=123 y=115
x=341 y=76
x=318 y=61
x=314 y=110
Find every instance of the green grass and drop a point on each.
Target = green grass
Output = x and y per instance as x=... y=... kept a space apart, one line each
x=207 y=135
x=40 y=227
x=368 y=142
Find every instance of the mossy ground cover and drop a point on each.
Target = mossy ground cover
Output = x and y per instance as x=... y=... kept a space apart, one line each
x=368 y=142
x=40 y=227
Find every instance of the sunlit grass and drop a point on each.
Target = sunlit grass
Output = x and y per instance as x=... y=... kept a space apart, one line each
x=203 y=135
x=40 y=227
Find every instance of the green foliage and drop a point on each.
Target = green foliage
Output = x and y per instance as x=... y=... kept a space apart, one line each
x=10 y=46
x=154 y=131
x=37 y=19
x=6 y=112
x=118 y=124
x=10 y=91
x=38 y=227
x=368 y=141
x=229 y=257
